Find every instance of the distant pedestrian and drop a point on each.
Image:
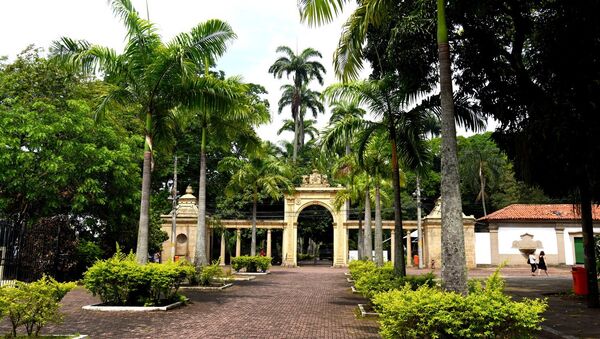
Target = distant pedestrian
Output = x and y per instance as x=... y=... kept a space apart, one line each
x=542 y=263
x=533 y=263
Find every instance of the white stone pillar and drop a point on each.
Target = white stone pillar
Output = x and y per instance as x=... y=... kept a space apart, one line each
x=222 y=254
x=393 y=240
x=238 y=242
x=409 y=250
x=268 y=242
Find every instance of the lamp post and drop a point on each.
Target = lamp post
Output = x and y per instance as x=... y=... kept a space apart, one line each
x=172 y=185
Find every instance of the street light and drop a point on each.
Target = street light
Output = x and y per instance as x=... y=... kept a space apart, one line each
x=417 y=194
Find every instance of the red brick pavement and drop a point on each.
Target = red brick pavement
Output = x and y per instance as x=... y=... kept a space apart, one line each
x=307 y=302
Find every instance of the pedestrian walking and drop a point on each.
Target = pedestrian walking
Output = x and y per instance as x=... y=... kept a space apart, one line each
x=541 y=264
x=533 y=263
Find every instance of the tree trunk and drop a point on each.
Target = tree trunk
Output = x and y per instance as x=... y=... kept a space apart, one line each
x=200 y=258
x=368 y=239
x=141 y=252
x=361 y=241
x=587 y=227
x=482 y=189
x=397 y=246
x=253 y=243
x=454 y=272
x=378 y=228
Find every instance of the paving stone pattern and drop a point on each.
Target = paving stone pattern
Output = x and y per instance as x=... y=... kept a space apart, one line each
x=306 y=302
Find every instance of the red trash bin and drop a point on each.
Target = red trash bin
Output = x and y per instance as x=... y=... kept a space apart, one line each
x=416 y=260
x=580 y=284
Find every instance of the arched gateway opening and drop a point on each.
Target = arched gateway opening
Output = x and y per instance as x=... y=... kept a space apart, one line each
x=314 y=194
x=315 y=236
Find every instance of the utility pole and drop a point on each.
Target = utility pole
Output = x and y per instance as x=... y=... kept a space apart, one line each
x=419 y=229
x=174 y=210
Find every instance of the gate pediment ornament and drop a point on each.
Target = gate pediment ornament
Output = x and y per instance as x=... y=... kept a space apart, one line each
x=315 y=179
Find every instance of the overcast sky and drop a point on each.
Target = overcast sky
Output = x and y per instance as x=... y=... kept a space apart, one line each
x=261 y=27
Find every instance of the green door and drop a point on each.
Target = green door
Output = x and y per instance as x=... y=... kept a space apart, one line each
x=579 y=256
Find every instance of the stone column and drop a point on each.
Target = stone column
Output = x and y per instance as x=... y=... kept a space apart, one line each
x=560 y=244
x=222 y=255
x=408 y=249
x=238 y=242
x=393 y=239
x=494 y=255
x=268 y=242
x=347 y=250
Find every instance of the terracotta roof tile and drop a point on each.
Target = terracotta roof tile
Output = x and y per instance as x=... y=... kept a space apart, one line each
x=539 y=212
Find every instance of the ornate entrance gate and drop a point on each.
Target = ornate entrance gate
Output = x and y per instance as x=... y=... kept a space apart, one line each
x=315 y=190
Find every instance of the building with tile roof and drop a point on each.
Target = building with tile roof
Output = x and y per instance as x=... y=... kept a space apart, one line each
x=513 y=232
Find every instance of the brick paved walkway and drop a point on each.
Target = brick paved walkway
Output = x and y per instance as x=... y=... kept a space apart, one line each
x=307 y=302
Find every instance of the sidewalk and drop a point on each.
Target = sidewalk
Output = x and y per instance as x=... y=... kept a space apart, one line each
x=567 y=316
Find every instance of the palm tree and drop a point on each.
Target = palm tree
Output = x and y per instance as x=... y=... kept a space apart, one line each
x=303 y=70
x=309 y=100
x=403 y=129
x=376 y=162
x=348 y=62
x=260 y=173
x=155 y=77
x=308 y=127
x=225 y=125
x=342 y=110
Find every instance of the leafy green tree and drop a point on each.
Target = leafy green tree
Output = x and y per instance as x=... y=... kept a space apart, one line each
x=56 y=161
x=303 y=69
x=154 y=76
x=260 y=173
x=523 y=65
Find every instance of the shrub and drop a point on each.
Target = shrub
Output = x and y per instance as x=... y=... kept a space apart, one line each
x=433 y=313
x=207 y=274
x=33 y=305
x=382 y=279
x=120 y=280
x=251 y=263
x=359 y=268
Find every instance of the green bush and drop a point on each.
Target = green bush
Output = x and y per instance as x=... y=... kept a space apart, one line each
x=120 y=280
x=251 y=263
x=382 y=279
x=33 y=305
x=207 y=274
x=433 y=313
x=359 y=268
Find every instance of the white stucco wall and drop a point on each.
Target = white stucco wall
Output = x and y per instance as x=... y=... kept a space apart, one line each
x=508 y=234
x=482 y=248
x=569 y=245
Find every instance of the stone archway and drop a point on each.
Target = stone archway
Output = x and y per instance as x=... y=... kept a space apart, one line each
x=315 y=190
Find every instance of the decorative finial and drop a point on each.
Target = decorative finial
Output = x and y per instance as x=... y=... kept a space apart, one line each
x=189 y=190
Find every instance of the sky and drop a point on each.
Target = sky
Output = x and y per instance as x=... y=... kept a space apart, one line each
x=261 y=26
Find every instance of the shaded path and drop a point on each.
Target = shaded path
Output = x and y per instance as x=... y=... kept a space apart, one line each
x=306 y=302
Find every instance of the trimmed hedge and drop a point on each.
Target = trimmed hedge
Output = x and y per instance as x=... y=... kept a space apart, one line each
x=251 y=263
x=207 y=274
x=33 y=305
x=371 y=279
x=120 y=280
x=430 y=312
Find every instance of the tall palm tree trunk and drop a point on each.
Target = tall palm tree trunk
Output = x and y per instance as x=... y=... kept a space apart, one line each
x=454 y=273
x=141 y=252
x=368 y=239
x=200 y=258
x=253 y=243
x=361 y=241
x=378 y=228
x=587 y=226
x=398 y=248
x=482 y=188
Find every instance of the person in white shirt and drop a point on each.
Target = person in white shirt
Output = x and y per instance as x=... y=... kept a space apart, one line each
x=533 y=263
